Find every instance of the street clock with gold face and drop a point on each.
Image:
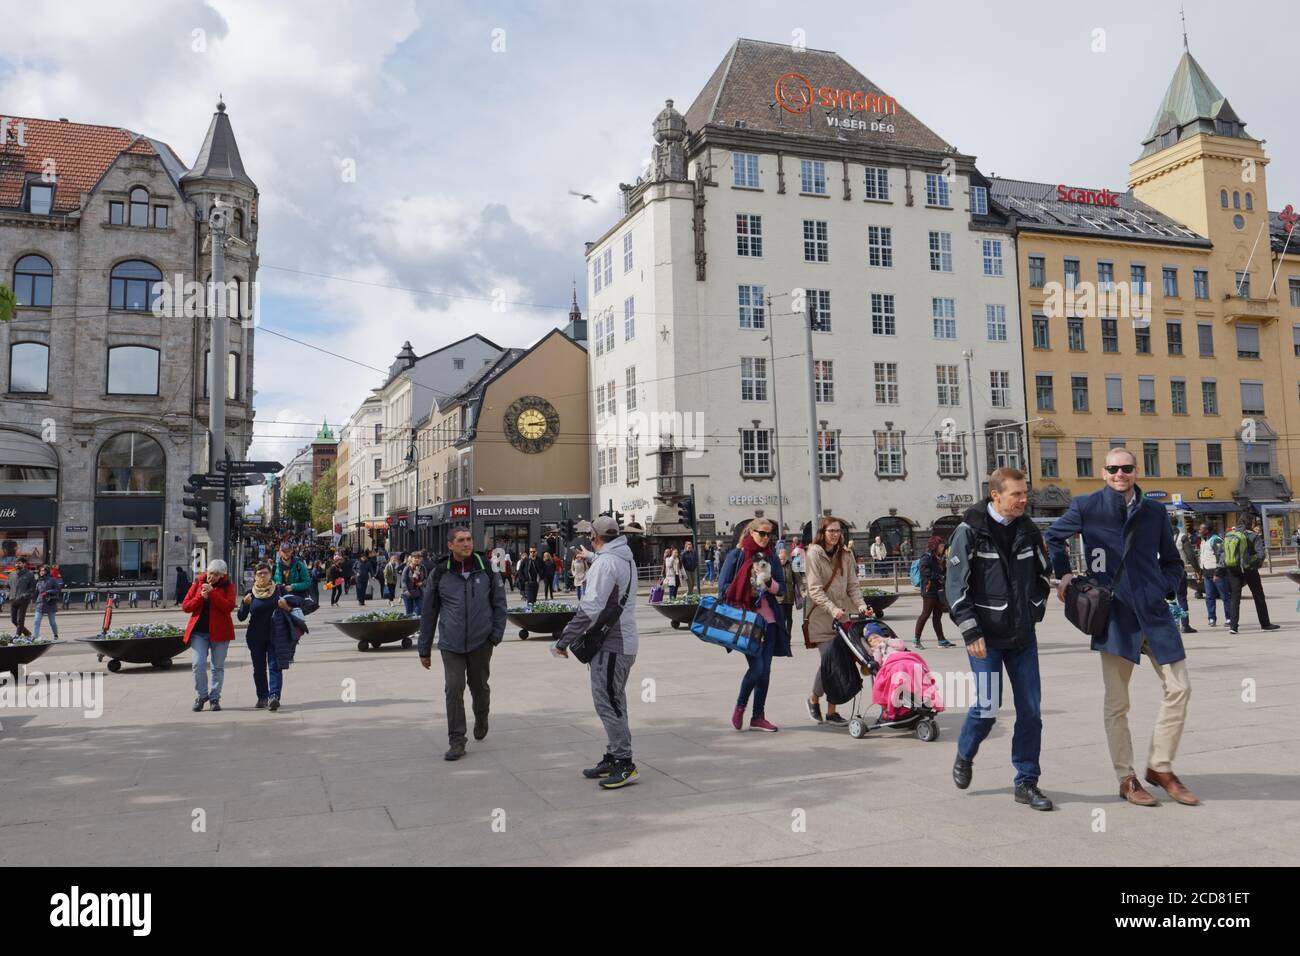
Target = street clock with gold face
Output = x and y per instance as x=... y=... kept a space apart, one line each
x=531 y=424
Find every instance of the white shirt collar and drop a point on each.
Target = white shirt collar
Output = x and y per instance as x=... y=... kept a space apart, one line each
x=993 y=513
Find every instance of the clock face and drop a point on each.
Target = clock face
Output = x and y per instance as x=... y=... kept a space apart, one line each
x=531 y=424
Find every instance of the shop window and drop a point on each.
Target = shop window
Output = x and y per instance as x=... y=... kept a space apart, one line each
x=130 y=464
x=127 y=553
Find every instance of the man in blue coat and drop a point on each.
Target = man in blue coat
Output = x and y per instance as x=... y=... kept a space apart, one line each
x=1140 y=619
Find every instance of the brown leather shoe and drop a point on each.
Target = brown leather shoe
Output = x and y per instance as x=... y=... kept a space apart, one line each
x=1132 y=791
x=1173 y=786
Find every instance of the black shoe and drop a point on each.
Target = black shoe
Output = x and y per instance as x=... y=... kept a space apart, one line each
x=480 y=728
x=962 y=770
x=815 y=711
x=602 y=769
x=624 y=772
x=455 y=753
x=1188 y=629
x=1030 y=794
x=1232 y=630
x=273 y=702
x=198 y=703
x=1270 y=627
x=215 y=705
x=836 y=719
x=261 y=704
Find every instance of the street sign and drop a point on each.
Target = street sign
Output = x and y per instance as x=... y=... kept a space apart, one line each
x=250 y=467
x=219 y=481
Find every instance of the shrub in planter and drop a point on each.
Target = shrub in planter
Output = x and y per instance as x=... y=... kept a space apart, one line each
x=371 y=617
x=8 y=640
x=139 y=632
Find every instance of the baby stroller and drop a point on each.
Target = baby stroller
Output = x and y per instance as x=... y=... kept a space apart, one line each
x=908 y=712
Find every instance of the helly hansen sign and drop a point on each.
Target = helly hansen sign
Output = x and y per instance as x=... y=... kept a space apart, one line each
x=1087 y=197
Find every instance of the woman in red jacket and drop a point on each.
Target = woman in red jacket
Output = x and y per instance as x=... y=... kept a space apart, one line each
x=210 y=601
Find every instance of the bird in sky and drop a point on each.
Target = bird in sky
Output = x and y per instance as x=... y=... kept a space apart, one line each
x=573 y=192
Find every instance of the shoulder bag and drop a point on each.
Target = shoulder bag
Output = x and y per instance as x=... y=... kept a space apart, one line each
x=808 y=605
x=587 y=644
x=1088 y=601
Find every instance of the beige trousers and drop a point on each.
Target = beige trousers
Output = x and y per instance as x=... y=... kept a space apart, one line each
x=1115 y=672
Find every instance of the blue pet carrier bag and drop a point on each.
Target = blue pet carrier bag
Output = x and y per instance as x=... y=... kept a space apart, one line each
x=731 y=627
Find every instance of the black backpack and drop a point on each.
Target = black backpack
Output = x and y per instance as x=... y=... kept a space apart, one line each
x=839 y=671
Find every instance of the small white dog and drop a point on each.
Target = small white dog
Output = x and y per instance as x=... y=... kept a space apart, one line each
x=760 y=576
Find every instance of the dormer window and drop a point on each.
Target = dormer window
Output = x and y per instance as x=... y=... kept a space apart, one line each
x=40 y=199
x=139 y=207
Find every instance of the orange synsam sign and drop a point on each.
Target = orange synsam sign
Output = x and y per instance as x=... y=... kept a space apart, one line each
x=796 y=95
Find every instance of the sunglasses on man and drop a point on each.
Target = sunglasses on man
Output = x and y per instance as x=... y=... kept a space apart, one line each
x=1127 y=469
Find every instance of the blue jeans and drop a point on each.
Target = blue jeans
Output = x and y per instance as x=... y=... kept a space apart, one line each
x=1216 y=589
x=759 y=674
x=708 y=570
x=1027 y=692
x=44 y=610
x=262 y=650
x=201 y=650
x=411 y=605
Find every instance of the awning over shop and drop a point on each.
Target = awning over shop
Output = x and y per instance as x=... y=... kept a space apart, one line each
x=1213 y=507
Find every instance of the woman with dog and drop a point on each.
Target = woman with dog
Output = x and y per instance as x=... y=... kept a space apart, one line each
x=831 y=586
x=751 y=578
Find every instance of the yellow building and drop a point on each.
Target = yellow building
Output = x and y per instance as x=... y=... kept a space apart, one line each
x=1150 y=318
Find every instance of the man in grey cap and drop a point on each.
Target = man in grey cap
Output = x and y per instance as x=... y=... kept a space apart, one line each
x=609 y=584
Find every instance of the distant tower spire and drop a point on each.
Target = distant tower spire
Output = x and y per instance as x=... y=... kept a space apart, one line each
x=575 y=314
x=1182 y=13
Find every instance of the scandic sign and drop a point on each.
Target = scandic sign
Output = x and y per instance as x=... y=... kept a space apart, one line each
x=1088 y=197
x=795 y=94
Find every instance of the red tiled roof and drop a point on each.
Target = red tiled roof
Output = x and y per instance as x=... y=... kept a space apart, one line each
x=81 y=154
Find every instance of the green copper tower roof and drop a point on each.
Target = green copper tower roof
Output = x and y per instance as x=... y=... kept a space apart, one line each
x=1192 y=104
x=325 y=434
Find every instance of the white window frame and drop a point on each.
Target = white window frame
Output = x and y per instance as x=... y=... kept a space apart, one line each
x=812 y=177
x=744 y=170
x=880 y=247
x=884 y=314
x=824 y=381
x=819 y=302
x=995 y=322
x=979 y=200
x=999 y=388
x=609 y=266
x=940 y=251
x=627 y=253
x=629 y=388
x=751 y=304
x=629 y=318
x=753 y=378
x=749 y=235
x=891 y=453
x=875 y=184
x=947 y=382
x=936 y=191
x=943 y=318
x=828 y=453
x=755 y=451
x=991 y=249
x=816 y=241
x=885 y=376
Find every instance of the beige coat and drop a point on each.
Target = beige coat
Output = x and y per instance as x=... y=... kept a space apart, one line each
x=821 y=604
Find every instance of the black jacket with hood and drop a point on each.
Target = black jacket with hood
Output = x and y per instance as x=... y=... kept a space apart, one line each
x=989 y=596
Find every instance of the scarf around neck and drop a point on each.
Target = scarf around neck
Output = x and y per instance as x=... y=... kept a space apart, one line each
x=262 y=593
x=740 y=593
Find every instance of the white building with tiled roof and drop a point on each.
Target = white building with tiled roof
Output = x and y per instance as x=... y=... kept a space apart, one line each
x=793 y=182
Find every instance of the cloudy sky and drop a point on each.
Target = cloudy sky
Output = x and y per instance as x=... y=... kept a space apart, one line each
x=467 y=125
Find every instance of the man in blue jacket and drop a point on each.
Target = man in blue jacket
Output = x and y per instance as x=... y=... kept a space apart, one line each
x=1112 y=521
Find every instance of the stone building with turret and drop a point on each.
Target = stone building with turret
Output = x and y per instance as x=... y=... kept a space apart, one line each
x=103 y=367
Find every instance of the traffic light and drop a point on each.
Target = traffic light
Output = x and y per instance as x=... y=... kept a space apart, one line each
x=196 y=509
x=618 y=518
x=567 y=529
x=686 y=512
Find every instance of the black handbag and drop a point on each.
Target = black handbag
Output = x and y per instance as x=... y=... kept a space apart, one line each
x=587 y=645
x=309 y=606
x=1088 y=601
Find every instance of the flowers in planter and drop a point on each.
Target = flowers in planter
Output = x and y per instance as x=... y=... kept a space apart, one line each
x=876 y=592
x=8 y=640
x=139 y=632
x=545 y=607
x=682 y=599
x=375 y=617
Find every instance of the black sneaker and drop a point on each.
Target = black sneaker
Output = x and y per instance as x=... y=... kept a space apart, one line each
x=962 y=771
x=198 y=703
x=836 y=719
x=1030 y=794
x=624 y=772
x=1188 y=629
x=273 y=703
x=480 y=728
x=602 y=769
x=1270 y=627
x=1232 y=630
x=455 y=753
x=214 y=705
x=261 y=704
x=814 y=711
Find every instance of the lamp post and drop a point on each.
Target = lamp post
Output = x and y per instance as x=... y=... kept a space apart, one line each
x=412 y=455
x=354 y=483
x=776 y=426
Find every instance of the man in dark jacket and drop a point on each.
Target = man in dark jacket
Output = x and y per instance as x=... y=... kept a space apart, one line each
x=997 y=586
x=1245 y=574
x=465 y=601
x=1119 y=525
x=22 y=591
x=291 y=571
x=529 y=575
x=691 y=565
x=182 y=584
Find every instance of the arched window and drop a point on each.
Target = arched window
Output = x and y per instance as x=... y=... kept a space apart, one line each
x=1223 y=198
x=34 y=282
x=1250 y=203
x=134 y=286
x=1236 y=199
x=133 y=370
x=29 y=367
x=139 y=207
x=131 y=463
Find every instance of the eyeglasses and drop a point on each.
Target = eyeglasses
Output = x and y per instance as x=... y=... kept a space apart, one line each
x=1127 y=469
x=763 y=534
